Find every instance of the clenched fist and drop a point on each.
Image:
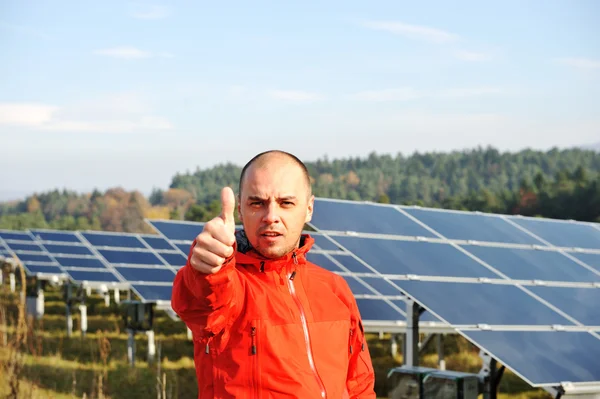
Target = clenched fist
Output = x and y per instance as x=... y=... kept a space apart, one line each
x=215 y=243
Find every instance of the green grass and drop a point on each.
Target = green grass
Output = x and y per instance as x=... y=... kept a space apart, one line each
x=57 y=366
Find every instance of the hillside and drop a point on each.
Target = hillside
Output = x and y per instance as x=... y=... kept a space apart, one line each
x=555 y=183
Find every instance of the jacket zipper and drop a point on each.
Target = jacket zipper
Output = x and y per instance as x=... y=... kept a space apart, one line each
x=311 y=359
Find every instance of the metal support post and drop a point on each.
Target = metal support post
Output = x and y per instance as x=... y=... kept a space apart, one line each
x=491 y=376
x=83 y=314
x=117 y=296
x=13 y=283
x=411 y=353
x=131 y=347
x=394 y=345
x=151 y=346
x=440 y=351
x=68 y=315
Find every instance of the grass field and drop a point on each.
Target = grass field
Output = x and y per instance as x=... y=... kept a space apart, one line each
x=39 y=360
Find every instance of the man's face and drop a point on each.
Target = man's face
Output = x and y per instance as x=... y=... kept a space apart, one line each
x=274 y=206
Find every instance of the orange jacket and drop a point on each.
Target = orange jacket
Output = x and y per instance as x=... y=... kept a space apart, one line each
x=282 y=328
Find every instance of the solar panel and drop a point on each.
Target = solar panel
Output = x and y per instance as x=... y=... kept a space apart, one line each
x=55 y=236
x=485 y=275
x=561 y=233
x=177 y=230
x=76 y=258
x=35 y=260
x=534 y=264
x=456 y=225
x=544 y=357
x=366 y=218
x=143 y=261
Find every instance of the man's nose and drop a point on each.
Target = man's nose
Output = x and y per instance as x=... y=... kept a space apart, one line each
x=272 y=213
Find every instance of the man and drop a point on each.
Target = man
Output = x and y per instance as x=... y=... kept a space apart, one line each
x=266 y=322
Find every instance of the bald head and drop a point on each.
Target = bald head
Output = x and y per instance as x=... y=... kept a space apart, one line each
x=275 y=159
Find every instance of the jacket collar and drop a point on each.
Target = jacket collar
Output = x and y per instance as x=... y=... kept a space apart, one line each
x=247 y=255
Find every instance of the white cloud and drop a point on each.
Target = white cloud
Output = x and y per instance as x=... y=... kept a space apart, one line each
x=473 y=56
x=116 y=114
x=294 y=95
x=582 y=63
x=150 y=12
x=418 y=32
x=130 y=53
x=26 y=114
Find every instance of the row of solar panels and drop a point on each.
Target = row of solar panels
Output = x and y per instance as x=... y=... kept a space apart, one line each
x=474 y=273
x=373 y=263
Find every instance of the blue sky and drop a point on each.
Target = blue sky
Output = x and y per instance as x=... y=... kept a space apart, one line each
x=117 y=93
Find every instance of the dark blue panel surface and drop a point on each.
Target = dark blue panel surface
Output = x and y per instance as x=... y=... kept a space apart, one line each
x=113 y=240
x=133 y=257
x=15 y=235
x=55 y=236
x=414 y=257
x=174 y=259
x=43 y=269
x=562 y=234
x=79 y=262
x=154 y=292
x=146 y=274
x=323 y=261
x=96 y=276
x=583 y=304
x=544 y=357
x=463 y=303
x=378 y=309
x=67 y=249
x=178 y=231
x=364 y=218
x=34 y=258
x=357 y=287
x=471 y=226
x=185 y=248
x=352 y=264
x=24 y=247
x=158 y=243
x=383 y=286
x=531 y=264
x=323 y=242
x=592 y=260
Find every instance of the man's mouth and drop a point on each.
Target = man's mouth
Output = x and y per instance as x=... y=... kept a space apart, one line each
x=271 y=234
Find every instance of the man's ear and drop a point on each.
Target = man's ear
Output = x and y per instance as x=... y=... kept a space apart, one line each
x=309 y=209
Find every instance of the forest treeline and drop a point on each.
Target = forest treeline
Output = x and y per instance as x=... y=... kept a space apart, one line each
x=562 y=184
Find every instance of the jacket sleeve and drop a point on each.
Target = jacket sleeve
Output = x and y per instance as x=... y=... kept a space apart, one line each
x=207 y=302
x=361 y=376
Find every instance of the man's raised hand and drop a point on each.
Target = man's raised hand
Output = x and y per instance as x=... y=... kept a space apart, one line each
x=215 y=243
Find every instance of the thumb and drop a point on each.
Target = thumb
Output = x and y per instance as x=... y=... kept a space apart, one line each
x=227 y=206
